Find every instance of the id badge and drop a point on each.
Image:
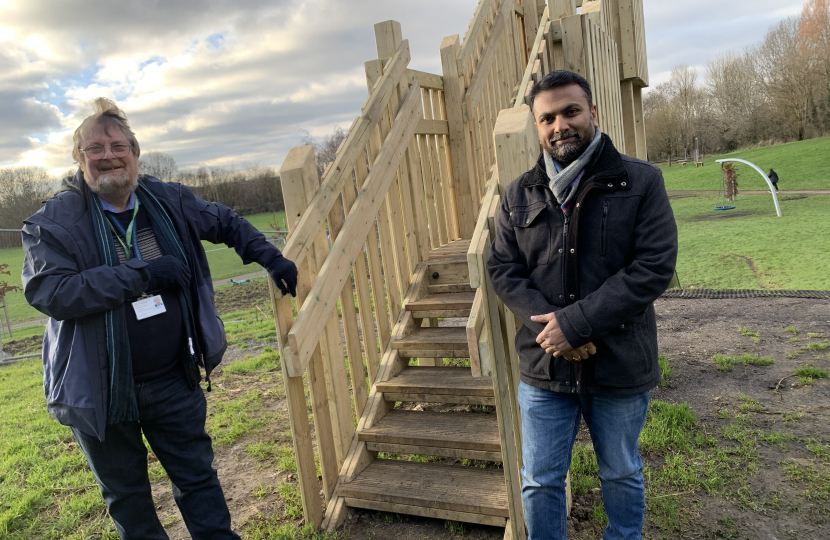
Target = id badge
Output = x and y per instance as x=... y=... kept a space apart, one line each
x=149 y=307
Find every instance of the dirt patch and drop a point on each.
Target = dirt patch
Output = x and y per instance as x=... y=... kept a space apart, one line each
x=242 y=296
x=20 y=347
x=724 y=214
x=793 y=197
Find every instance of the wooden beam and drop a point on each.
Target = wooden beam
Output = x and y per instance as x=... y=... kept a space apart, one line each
x=298 y=244
x=432 y=127
x=488 y=55
x=306 y=330
x=460 y=200
x=526 y=83
x=428 y=81
x=517 y=144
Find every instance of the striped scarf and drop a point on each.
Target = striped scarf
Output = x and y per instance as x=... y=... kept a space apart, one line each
x=123 y=405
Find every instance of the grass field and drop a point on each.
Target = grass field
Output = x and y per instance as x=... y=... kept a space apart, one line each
x=803 y=165
x=750 y=247
x=223 y=263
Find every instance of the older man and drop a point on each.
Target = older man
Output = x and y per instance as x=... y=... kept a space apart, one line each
x=116 y=261
x=586 y=242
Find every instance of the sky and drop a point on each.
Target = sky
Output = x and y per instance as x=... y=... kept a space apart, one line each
x=239 y=82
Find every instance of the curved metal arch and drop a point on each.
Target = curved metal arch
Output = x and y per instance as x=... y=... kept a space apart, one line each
x=762 y=173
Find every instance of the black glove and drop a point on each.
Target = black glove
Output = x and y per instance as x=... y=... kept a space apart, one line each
x=167 y=270
x=284 y=274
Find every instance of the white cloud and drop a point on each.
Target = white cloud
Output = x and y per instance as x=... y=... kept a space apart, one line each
x=225 y=81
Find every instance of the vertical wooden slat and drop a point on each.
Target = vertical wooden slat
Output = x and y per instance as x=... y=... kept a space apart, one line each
x=458 y=188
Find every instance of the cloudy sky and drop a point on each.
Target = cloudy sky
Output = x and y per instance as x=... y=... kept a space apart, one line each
x=235 y=82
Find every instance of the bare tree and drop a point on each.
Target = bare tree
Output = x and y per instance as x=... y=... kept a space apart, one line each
x=158 y=164
x=326 y=151
x=22 y=192
x=662 y=122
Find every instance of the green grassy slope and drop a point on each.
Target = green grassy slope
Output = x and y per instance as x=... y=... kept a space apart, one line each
x=754 y=250
x=800 y=166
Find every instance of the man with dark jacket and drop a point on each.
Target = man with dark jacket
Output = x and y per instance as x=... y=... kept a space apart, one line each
x=586 y=242
x=116 y=261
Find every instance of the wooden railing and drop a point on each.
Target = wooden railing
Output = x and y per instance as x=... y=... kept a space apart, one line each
x=480 y=77
x=377 y=225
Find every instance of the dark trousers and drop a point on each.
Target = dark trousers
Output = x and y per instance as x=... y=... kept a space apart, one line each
x=172 y=418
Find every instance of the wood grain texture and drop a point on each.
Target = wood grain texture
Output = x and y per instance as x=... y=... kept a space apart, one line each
x=443 y=301
x=465 y=517
x=460 y=489
x=441 y=429
x=438 y=381
x=433 y=338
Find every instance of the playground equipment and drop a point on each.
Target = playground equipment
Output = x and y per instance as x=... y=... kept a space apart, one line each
x=729 y=186
x=763 y=174
x=409 y=205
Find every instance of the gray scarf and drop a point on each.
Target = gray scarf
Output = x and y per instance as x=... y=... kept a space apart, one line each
x=560 y=181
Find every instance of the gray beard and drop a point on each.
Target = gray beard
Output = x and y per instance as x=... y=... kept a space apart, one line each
x=568 y=153
x=114 y=186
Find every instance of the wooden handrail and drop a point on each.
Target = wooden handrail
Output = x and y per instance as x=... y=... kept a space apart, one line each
x=321 y=300
x=473 y=255
x=488 y=55
x=473 y=31
x=540 y=35
x=300 y=241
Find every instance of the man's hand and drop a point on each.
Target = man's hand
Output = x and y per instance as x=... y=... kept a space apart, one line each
x=284 y=274
x=578 y=354
x=551 y=338
x=554 y=342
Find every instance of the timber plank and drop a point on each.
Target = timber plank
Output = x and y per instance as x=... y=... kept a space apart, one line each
x=439 y=398
x=439 y=451
x=427 y=512
x=426 y=485
x=438 y=380
x=426 y=339
x=464 y=431
x=437 y=302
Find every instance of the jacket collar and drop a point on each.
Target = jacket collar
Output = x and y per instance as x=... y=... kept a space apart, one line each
x=605 y=163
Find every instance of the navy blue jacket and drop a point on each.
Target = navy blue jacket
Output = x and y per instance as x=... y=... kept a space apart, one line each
x=64 y=278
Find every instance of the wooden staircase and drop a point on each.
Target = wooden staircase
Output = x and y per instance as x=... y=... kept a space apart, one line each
x=393 y=428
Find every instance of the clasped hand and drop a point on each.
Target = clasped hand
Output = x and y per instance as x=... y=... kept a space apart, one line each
x=554 y=342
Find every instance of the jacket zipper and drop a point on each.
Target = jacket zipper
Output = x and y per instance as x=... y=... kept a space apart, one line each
x=604 y=246
x=572 y=373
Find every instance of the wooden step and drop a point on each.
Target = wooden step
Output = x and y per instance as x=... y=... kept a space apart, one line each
x=442 y=342
x=457 y=304
x=446 y=434
x=438 y=385
x=469 y=494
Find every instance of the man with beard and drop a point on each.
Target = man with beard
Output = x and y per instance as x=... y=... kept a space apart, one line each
x=116 y=261
x=586 y=242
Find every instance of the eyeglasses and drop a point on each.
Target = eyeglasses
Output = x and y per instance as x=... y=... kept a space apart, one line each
x=97 y=152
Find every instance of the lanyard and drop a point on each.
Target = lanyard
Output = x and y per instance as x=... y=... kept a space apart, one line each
x=130 y=235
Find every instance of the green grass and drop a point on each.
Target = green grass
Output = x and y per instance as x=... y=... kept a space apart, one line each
x=754 y=251
x=808 y=374
x=665 y=368
x=223 y=264
x=727 y=363
x=42 y=469
x=800 y=165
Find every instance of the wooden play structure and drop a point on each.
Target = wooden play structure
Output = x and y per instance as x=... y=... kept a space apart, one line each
x=401 y=225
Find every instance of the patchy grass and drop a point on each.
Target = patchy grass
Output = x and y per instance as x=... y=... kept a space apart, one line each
x=727 y=363
x=808 y=374
x=755 y=336
x=665 y=369
x=741 y=251
x=792 y=330
x=800 y=165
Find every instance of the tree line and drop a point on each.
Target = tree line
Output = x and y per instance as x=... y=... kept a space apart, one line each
x=776 y=91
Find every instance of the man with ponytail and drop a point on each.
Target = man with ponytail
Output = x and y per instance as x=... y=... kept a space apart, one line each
x=116 y=262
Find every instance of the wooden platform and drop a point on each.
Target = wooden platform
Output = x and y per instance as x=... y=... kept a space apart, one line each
x=478 y=493
x=457 y=248
x=443 y=342
x=459 y=435
x=451 y=304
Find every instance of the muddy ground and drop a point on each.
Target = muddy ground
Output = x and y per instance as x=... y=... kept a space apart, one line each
x=691 y=332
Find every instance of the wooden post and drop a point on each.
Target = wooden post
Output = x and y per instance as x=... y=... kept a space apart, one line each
x=517 y=149
x=630 y=131
x=517 y=144
x=461 y=158
x=642 y=143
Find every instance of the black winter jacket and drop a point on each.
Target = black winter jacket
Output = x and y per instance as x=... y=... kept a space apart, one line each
x=598 y=269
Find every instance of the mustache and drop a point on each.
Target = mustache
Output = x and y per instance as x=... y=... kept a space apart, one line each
x=110 y=164
x=572 y=133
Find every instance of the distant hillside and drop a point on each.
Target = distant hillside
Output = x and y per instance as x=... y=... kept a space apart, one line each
x=800 y=165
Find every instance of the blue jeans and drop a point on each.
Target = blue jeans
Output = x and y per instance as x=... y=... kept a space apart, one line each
x=550 y=421
x=172 y=418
